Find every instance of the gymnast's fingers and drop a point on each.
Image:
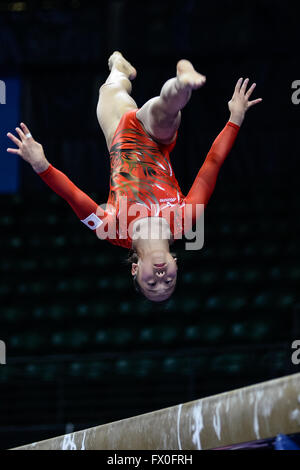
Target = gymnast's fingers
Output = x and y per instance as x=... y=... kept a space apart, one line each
x=14 y=139
x=244 y=86
x=16 y=151
x=237 y=86
x=249 y=92
x=25 y=130
x=21 y=133
x=252 y=103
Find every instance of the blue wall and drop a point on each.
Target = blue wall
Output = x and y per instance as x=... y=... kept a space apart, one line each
x=9 y=120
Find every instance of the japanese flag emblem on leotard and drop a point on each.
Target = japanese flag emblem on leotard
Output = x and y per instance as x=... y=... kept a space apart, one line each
x=92 y=221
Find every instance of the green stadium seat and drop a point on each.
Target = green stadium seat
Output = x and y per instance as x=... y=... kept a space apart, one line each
x=276 y=361
x=102 y=337
x=97 y=369
x=15 y=242
x=80 y=284
x=37 y=287
x=281 y=361
x=292 y=248
x=251 y=275
x=76 y=369
x=48 y=263
x=83 y=310
x=167 y=334
x=189 y=278
x=123 y=367
x=190 y=305
x=6 y=220
x=26 y=341
x=207 y=277
x=11 y=314
x=192 y=333
x=34 y=242
x=103 y=283
x=263 y=300
x=143 y=308
x=225 y=229
x=63 y=262
x=275 y=273
x=232 y=275
x=70 y=340
x=7 y=265
x=59 y=241
x=125 y=307
x=286 y=300
x=120 y=283
x=176 y=365
x=270 y=249
x=58 y=339
x=122 y=336
x=239 y=330
x=199 y=364
x=100 y=309
x=213 y=302
x=147 y=335
x=230 y=364
x=54 y=199
x=28 y=264
x=228 y=251
x=294 y=273
x=64 y=286
x=144 y=367
x=102 y=259
x=51 y=219
x=32 y=371
x=258 y=330
x=147 y=366
x=170 y=365
x=39 y=312
x=207 y=253
x=251 y=249
x=77 y=339
x=5 y=288
x=5 y=374
x=242 y=228
x=171 y=306
x=50 y=372
x=211 y=333
x=236 y=302
x=56 y=312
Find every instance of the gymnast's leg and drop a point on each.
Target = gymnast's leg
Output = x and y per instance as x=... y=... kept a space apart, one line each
x=114 y=95
x=161 y=115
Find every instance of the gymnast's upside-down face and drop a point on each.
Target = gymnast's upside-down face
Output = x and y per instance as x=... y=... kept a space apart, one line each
x=156 y=275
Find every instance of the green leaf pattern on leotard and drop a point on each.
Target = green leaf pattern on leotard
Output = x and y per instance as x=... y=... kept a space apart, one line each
x=137 y=165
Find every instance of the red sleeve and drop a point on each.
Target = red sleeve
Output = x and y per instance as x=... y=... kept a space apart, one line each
x=83 y=206
x=205 y=181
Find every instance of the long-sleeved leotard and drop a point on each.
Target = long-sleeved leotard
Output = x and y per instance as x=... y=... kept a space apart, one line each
x=141 y=173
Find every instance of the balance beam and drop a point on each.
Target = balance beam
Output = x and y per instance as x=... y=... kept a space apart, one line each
x=255 y=412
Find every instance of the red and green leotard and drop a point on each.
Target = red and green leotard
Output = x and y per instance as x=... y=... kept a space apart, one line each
x=142 y=174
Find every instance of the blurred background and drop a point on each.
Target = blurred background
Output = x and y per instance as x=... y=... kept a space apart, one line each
x=82 y=348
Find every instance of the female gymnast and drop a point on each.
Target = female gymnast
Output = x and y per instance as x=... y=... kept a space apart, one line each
x=144 y=192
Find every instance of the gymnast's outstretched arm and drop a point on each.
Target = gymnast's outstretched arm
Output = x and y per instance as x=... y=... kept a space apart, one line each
x=32 y=152
x=205 y=181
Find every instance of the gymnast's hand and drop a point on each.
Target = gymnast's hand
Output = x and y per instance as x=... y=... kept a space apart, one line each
x=239 y=103
x=28 y=149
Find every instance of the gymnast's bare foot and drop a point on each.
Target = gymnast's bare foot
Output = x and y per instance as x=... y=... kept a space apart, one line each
x=117 y=61
x=187 y=75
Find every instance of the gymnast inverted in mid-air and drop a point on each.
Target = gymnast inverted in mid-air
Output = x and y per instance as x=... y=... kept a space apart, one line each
x=145 y=209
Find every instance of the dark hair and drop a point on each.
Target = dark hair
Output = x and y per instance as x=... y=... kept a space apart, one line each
x=133 y=258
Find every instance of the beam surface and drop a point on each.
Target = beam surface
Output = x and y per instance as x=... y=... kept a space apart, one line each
x=255 y=412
